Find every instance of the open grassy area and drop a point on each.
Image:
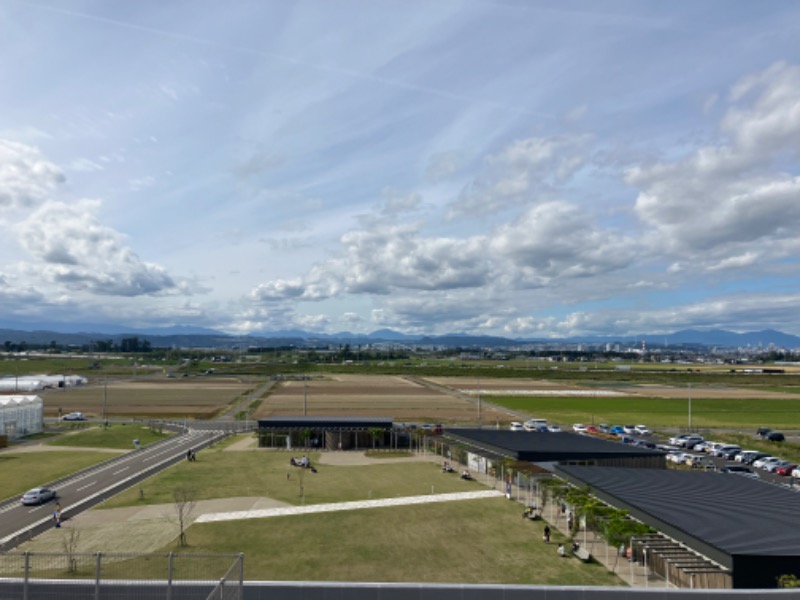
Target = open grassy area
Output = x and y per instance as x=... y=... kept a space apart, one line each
x=477 y=541
x=118 y=435
x=23 y=470
x=729 y=413
x=219 y=474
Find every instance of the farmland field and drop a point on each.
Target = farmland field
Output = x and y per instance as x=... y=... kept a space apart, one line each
x=656 y=405
x=374 y=396
x=199 y=398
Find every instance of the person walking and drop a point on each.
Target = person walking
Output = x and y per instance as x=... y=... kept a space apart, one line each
x=547 y=534
x=57 y=518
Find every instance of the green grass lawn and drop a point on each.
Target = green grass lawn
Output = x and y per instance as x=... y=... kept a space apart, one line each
x=662 y=412
x=119 y=436
x=475 y=541
x=22 y=471
x=219 y=474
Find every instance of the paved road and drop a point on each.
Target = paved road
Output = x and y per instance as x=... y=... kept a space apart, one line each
x=91 y=486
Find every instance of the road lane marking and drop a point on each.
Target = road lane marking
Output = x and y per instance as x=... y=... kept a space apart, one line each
x=86 y=486
x=120 y=471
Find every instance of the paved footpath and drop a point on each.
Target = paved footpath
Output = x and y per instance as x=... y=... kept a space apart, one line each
x=338 y=506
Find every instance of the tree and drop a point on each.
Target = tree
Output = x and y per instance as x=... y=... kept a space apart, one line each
x=70 y=545
x=376 y=433
x=184 y=501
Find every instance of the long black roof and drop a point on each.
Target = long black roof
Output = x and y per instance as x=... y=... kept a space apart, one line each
x=536 y=446
x=720 y=515
x=350 y=423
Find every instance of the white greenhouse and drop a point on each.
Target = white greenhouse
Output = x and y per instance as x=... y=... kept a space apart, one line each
x=21 y=415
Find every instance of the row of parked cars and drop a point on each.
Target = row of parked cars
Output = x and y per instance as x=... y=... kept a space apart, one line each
x=612 y=429
x=539 y=425
x=746 y=458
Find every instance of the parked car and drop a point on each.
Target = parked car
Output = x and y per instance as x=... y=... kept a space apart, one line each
x=74 y=416
x=763 y=462
x=796 y=472
x=753 y=457
x=744 y=455
x=728 y=451
x=678 y=439
x=38 y=495
x=740 y=470
x=701 y=447
x=772 y=467
x=603 y=428
x=642 y=430
x=535 y=424
x=554 y=429
x=579 y=428
x=763 y=431
x=516 y=426
x=629 y=429
x=786 y=470
x=689 y=442
x=616 y=430
x=775 y=436
x=678 y=458
x=701 y=462
x=712 y=447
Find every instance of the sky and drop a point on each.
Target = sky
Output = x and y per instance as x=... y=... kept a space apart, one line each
x=519 y=168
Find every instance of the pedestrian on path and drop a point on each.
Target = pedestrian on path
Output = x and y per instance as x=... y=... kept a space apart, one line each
x=546 y=534
x=57 y=518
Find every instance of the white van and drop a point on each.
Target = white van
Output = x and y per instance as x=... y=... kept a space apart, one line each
x=534 y=424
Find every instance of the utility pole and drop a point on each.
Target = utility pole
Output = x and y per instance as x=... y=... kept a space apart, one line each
x=105 y=399
x=305 y=395
x=480 y=407
x=690 y=407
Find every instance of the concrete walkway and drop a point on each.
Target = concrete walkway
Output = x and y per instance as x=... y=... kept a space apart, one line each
x=338 y=506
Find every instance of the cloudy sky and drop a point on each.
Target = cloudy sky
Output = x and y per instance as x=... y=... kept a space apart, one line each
x=519 y=168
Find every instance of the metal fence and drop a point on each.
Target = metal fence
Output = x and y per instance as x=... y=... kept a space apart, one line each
x=118 y=576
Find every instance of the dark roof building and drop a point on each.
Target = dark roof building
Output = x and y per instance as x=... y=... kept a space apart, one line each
x=748 y=526
x=330 y=433
x=563 y=447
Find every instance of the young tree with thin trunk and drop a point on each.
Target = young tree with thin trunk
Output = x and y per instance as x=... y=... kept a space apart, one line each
x=184 y=501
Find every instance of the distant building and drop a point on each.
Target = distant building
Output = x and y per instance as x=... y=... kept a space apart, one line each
x=21 y=416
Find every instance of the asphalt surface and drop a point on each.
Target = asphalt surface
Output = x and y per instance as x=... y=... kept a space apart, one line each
x=84 y=489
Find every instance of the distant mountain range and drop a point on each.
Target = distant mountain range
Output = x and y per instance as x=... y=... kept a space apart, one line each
x=200 y=337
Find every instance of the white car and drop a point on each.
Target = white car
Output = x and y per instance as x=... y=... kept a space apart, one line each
x=744 y=455
x=516 y=426
x=675 y=441
x=763 y=462
x=554 y=429
x=579 y=428
x=74 y=416
x=629 y=429
x=642 y=430
x=770 y=467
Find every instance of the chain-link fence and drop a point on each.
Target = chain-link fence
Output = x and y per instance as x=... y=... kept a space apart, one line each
x=117 y=576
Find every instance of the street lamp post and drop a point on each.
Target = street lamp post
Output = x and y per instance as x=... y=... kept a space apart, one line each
x=690 y=407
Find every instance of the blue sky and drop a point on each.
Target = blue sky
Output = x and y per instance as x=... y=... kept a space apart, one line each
x=527 y=169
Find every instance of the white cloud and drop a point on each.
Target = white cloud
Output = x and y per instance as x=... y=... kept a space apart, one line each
x=75 y=251
x=442 y=166
x=84 y=165
x=732 y=198
x=519 y=174
x=141 y=183
x=26 y=177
